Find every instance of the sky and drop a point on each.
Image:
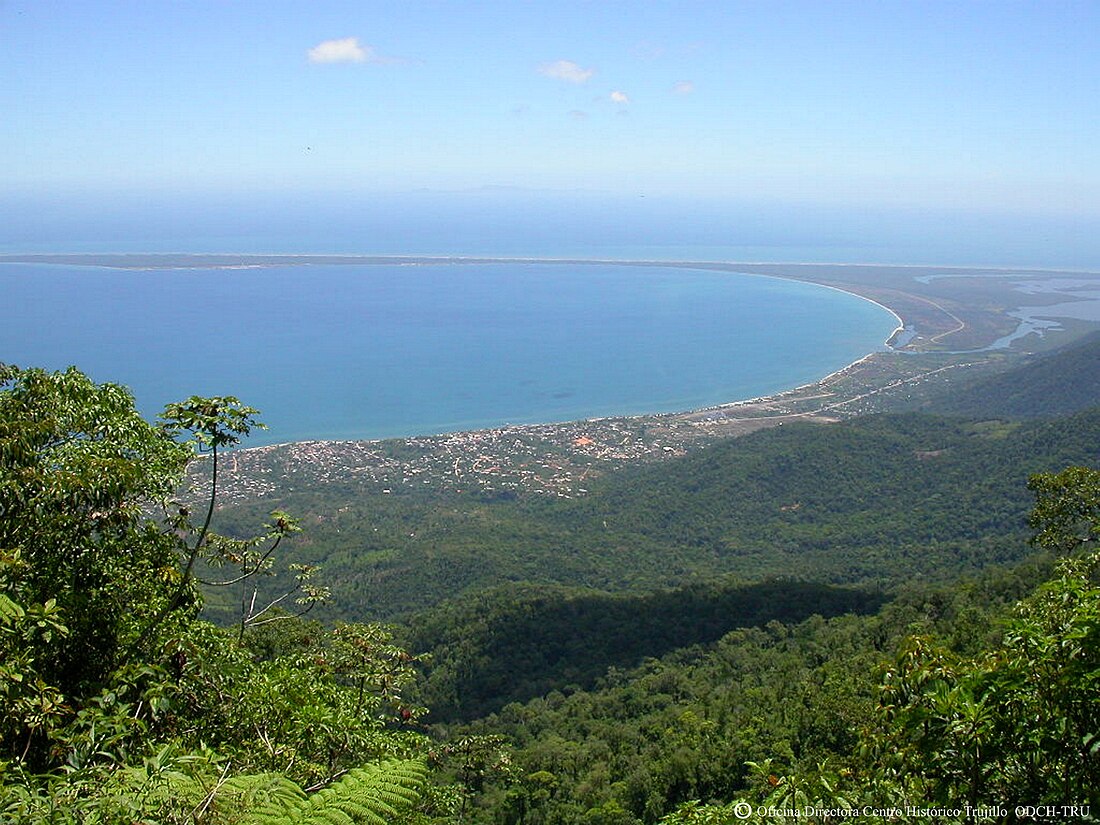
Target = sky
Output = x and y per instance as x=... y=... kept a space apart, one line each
x=917 y=108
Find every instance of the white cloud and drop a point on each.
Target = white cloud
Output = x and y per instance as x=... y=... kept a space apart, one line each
x=347 y=50
x=620 y=97
x=684 y=87
x=566 y=70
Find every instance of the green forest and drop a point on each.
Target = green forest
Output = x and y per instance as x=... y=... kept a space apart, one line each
x=893 y=618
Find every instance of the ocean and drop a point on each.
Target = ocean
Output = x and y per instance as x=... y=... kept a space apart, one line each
x=378 y=351
x=506 y=222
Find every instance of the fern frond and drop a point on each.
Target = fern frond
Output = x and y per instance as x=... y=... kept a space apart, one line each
x=369 y=795
x=260 y=798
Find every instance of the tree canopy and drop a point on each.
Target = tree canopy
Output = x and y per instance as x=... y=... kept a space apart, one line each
x=120 y=704
x=117 y=704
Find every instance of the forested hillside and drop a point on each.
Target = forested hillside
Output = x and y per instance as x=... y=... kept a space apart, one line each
x=1063 y=382
x=516 y=642
x=968 y=677
x=795 y=715
x=876 y=500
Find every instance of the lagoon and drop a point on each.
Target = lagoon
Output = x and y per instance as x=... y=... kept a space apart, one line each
x=385 y=350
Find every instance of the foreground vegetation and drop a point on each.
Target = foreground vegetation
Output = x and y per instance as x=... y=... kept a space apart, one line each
x=120 y=704
x=947 y=697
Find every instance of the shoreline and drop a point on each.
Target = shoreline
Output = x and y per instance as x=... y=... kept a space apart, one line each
x=234 y=261
x=555 y=459
x=890 y=287
x=560 y=458
x=948 y=320
x=777 y=397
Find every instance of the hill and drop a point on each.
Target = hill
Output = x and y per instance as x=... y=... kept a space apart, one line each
x=1060 y=383
x=701 y=722
x=516 y=642
x=877 y=500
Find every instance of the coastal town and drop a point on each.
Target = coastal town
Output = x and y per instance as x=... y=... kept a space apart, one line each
x=953 y=322
x=950 y=322
x=560 y=459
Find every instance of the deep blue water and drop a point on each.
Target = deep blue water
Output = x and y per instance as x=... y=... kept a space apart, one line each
x=385 y=350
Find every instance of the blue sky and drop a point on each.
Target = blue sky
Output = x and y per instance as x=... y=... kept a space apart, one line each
x=989 y=107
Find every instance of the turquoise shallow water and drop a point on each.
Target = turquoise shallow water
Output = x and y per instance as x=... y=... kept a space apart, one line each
x=378 y=351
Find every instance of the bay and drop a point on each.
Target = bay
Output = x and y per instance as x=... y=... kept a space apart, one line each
x=383 y=350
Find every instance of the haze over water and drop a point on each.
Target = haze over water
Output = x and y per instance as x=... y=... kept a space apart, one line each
x=348 y=351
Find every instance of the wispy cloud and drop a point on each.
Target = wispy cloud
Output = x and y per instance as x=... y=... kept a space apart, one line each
x=345 y=50
x=620 y=97
x=566 y=70
x=684 y=87
x=348 y=50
